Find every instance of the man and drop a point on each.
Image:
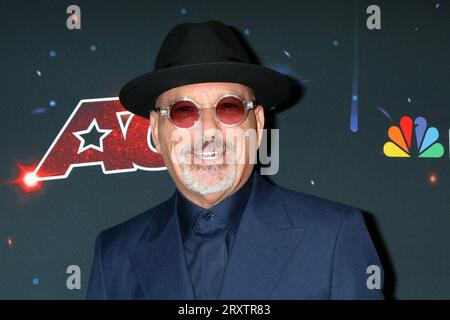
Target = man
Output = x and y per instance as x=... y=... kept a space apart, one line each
x=225 y=233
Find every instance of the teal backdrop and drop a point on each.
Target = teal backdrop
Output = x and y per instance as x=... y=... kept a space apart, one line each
x=357 y=83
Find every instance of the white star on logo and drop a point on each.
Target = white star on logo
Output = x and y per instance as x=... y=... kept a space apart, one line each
x=79 y=134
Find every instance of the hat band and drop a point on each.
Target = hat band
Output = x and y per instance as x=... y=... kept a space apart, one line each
x=181 y=62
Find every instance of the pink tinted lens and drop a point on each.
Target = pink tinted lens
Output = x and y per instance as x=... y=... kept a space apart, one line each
x=184 y=114
x=230 y=110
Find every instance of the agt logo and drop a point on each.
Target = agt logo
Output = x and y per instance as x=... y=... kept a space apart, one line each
x=403 y=144
x=98 y=132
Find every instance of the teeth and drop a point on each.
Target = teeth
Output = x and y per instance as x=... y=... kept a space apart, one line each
x=208 y=155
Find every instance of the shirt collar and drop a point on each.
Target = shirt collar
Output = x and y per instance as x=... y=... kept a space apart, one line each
x=230 y=209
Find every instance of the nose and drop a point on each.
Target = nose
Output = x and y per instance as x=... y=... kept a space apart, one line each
x=208 y=120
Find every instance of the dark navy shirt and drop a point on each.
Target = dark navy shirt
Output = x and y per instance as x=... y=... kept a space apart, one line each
x=208 y=236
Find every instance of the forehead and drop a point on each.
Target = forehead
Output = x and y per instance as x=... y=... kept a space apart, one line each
x=206 y=91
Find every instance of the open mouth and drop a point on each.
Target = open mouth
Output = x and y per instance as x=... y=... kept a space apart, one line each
x=209 y=155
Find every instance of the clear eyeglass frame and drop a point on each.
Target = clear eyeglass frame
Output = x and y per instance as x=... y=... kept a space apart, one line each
x=248 y=105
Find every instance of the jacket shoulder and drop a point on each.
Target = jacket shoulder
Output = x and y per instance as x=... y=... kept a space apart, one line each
x=310 y=210
x=128 y=233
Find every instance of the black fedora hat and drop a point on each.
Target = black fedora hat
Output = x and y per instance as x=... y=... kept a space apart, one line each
x=203 y=52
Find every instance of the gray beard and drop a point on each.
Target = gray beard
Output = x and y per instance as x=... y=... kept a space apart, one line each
x=227 y=173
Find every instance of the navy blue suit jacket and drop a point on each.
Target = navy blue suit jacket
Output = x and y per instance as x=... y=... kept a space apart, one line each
x=289 y=245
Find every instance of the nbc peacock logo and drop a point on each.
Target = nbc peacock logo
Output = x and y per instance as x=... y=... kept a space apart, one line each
x=401 y=138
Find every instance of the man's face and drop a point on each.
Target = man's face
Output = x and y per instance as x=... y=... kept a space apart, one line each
x=209 y=160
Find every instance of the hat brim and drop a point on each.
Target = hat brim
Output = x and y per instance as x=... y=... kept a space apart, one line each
x=270 y=87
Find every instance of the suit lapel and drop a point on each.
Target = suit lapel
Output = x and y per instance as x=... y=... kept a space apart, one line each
x=265 y=241
x=159 y=258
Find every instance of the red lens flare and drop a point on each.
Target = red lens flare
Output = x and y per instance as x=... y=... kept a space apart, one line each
x=27 y=180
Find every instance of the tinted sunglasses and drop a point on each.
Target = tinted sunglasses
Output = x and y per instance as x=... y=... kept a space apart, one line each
x=229 y=110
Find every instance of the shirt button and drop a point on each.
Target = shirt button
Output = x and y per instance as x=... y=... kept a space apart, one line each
x=208 y=216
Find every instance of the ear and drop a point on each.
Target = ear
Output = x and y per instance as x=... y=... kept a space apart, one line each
x=154 y=118
x=259 y=116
